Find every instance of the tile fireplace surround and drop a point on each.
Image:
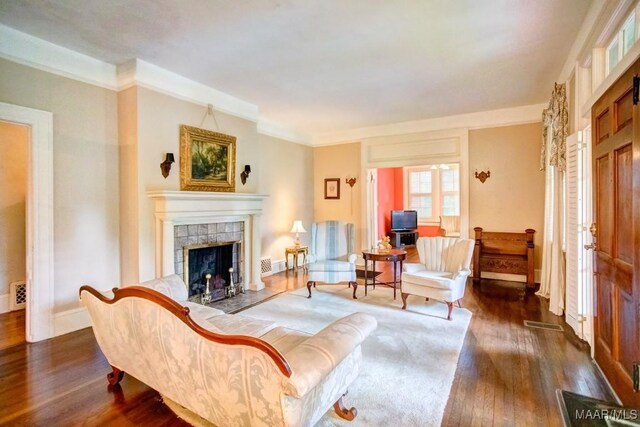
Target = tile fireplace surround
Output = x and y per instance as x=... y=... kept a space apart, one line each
x=177 y=208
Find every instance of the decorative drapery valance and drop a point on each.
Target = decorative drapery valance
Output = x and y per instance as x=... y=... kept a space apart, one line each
x=555 y=126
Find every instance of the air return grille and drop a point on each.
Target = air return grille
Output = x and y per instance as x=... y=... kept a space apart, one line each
x=543 y=325
x=18 y=295
x=265 y=266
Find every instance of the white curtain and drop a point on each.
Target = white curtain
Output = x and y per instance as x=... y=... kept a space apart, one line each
x=555 y=122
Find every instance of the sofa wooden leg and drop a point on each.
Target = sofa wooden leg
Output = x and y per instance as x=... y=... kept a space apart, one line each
x=426 y=299
x=115 y=376
x=355 y=286
x=450 y=305
x=404 y=300
x=347 y=414
x=309 y=287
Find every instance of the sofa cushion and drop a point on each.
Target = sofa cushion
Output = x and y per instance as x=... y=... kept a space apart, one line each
x=331 y=265
x=237 y=324
x=172 y=286
x=202 y=314
x=284 y=339
x=432 y=279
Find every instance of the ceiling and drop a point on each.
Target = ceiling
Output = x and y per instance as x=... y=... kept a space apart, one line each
x=322 y=66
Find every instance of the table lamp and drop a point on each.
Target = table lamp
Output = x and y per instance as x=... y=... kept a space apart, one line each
x=297 y=228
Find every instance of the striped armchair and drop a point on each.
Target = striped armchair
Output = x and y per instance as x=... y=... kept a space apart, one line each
x=332 y=254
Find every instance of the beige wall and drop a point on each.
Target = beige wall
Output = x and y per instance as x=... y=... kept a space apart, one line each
x=338 y=161
x=144 y=141
x=85 y=169
x=512 y=199
x=14 y=142
x=286 y=175
x=151 y=128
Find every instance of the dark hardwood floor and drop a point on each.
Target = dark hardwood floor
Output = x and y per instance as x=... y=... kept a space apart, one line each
x=507 y=374
x=12 y=327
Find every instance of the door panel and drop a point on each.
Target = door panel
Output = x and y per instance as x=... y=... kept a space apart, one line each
x=603 y=208
x=623 y=205
x=616 y=192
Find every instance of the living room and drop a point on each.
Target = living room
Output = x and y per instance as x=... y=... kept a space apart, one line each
x=105 y=103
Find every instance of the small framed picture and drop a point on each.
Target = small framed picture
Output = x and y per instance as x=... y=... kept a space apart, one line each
x=332 y=188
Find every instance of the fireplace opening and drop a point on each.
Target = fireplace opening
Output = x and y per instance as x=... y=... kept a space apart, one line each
x=212 y=261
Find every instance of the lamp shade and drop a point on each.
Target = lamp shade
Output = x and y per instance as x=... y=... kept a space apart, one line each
x=297 y=227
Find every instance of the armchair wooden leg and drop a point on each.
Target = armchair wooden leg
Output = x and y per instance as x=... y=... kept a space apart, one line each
x=426 y=299
x=355 y=286
x=309 y=287
x=347 y=414
x=450 y=305
x=459 y=305
x=404 y=300
x=115 y=376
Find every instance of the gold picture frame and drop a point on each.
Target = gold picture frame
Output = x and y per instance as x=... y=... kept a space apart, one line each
x=207 y=160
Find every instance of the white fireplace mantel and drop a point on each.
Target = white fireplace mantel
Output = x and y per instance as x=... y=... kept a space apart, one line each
x=193 y=207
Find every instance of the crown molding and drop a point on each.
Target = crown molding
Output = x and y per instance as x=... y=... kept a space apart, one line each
x=144 y=74
x=276 y=130
x=482 y=119
x=34 y=52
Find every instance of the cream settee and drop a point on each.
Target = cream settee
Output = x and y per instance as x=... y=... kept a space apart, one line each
x=226 y=370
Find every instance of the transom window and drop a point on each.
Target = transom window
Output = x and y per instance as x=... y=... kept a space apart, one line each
x=623 y=40
x=433 y=190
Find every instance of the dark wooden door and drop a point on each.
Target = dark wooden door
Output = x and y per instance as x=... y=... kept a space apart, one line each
x=616 y=174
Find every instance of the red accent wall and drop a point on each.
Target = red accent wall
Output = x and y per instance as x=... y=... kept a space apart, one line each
x=386 y=199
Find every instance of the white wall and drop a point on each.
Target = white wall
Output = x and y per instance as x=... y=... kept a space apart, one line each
x=14 y=143
x=86 y=193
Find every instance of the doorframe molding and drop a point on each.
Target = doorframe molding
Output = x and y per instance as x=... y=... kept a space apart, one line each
x=39 y=218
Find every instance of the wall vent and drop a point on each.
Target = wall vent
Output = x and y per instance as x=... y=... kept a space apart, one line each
x=18 y=295
x=265 y=266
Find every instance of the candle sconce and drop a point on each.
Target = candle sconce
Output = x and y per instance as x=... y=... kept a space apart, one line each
x=482 y=176
x=165 y=166
x=351 y=181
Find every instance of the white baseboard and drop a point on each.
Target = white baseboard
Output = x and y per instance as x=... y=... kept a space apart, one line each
x=4 y=303
x=70 y=321
x=510 y=277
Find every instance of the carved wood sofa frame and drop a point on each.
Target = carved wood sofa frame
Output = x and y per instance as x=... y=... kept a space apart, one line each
x=182 y=313
x=501 y=252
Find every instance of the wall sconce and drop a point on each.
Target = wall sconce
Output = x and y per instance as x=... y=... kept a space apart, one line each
x=245 y=174
x=351 y=181
x=165 y=166
x=482 y=176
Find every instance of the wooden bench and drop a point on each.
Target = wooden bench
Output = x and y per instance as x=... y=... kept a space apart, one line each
x=500 y=252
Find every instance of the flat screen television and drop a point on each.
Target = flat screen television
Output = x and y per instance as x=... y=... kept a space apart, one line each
x=404 y=220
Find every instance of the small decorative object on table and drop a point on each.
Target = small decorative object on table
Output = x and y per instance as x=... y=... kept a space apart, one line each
x=384 y=245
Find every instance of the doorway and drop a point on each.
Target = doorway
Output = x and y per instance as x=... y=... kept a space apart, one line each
x=14 y=140
x=39 y=218
x=616 y=230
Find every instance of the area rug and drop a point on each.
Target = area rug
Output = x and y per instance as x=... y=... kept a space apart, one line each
x=409 y=362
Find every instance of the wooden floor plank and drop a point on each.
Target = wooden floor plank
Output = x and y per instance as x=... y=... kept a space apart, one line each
x=506 y=375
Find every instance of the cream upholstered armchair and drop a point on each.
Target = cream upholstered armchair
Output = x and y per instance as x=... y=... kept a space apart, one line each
x=451 y=225
x=226 y=370
x=442 y=272
x=332 y=254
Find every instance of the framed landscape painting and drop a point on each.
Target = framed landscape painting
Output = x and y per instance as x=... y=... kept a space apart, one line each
x=207 y=160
